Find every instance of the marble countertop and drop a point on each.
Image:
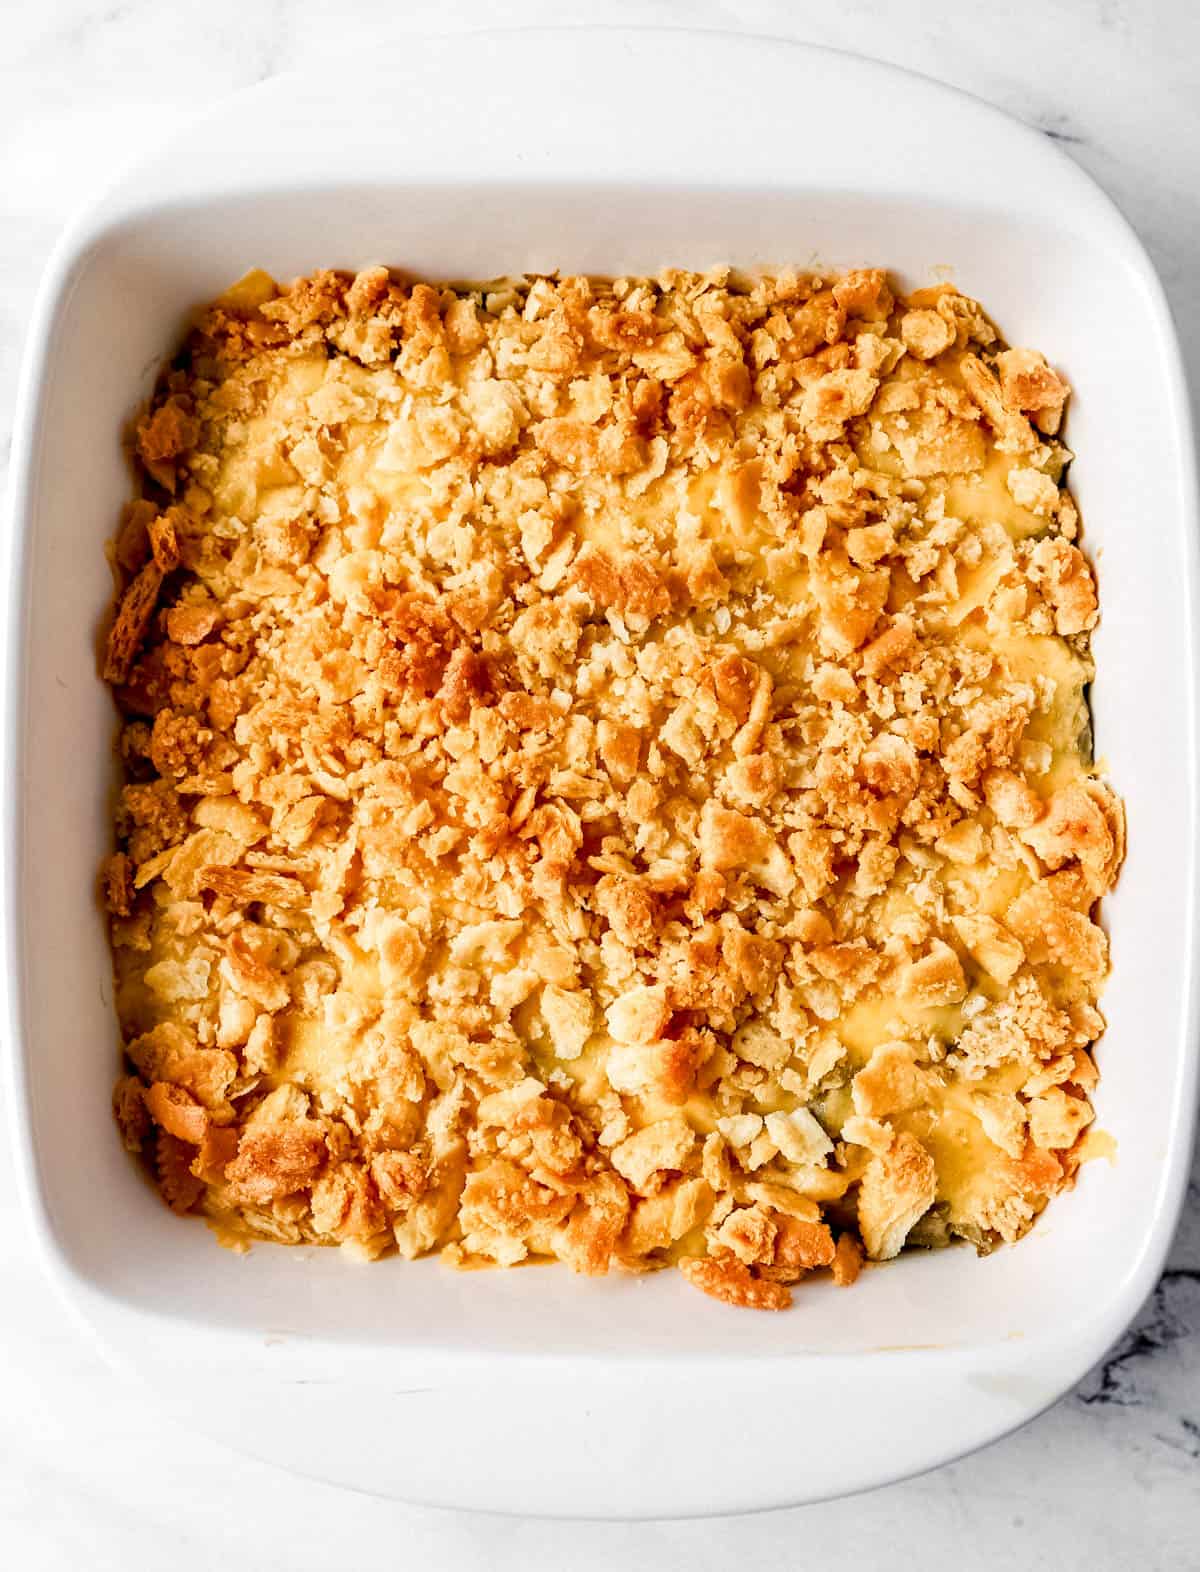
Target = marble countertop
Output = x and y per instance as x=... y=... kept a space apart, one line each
x=90 y=1474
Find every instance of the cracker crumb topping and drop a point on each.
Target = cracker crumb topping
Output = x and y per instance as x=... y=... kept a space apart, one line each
x=607 y=775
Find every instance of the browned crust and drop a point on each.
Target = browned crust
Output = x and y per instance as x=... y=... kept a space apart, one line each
x=733 y=1284
x=246 y=885
x=131 y=623
x=571 y=700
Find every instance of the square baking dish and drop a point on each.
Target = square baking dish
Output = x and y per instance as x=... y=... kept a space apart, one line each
x=602 y=151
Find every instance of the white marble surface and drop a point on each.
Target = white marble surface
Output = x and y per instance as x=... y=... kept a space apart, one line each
x=90 y=1475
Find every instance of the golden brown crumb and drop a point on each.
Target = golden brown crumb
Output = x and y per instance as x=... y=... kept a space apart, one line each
x=276 y=1161
x=180 y=1188
x=723 y=1278
x=129 y=1110
x=898 y=1188
x=117 y=880
x=607 y=775
x=847 y=1261
x=175 y=1111
x=132 y=623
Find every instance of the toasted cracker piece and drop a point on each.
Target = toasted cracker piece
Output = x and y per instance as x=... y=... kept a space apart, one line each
x=725 y=1278
x=218 y=1147
x=802 y=1246
x=847 y=1261
x=129 y=1110
x=179 y=1186
x=253 y=977
x=572 y=701
x=132 y=620
x=897 y=1188
x=245 y=885
x=276 y=1160
x=176 y=1112
x=1030 y=384
x=117 y=880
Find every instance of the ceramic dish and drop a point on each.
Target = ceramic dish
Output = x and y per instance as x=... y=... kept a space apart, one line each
x=607 y=152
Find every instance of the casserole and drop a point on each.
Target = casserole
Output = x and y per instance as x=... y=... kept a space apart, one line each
x=605 y=153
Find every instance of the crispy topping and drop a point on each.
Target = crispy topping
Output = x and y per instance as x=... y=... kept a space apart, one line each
x=131 y=623
x=173 y=1110
x=725 y=1278
x=847 y=1261
x=897 y=1188
x=607 y=775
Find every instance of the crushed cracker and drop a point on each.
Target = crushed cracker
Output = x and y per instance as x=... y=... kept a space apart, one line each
x=608 y=775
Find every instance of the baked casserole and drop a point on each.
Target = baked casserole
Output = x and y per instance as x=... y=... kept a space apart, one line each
x=607 y=775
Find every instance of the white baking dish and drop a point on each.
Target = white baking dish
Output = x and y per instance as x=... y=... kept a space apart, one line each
x=600 y=151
